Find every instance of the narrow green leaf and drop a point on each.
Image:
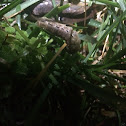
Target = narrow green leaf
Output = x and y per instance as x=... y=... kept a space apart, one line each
x=122 y=4
x=10 y=30
x=57 y=10
x=94 y=23
x=91 y=51
x=108 y=55
x=103 y=27
x=23 y=5
x=113 y=76
x=108 y=2
x=18 y=17
x=104 y=66
x=117 y=56
x=104 y=95
x=53 y=79
x=22 y=34
x=9 y=7
x=109 y=30
x=54 y=3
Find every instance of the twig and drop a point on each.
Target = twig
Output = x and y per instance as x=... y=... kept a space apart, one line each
x=106 y=41
x=41 y=74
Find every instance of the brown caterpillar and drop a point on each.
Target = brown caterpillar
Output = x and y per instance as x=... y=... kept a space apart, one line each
x=63 y=31
x=45 y=6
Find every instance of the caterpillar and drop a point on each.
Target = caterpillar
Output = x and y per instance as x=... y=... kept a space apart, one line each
x=63 y=31
x=44 y=7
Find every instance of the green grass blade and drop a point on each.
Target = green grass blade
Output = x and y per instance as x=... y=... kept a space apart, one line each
x=108 y=2
x=24 y=5
x=18 y=17
x=122 y=4
x=117 y=56
x=57 y=10
x=102 y=67
x=90 y=53
x=113 y=76
x=109 y=53
x=104 y=95
x=22 y=34
x=54 y=3
x=109 y=30
x=94 y=23
x=9 y=7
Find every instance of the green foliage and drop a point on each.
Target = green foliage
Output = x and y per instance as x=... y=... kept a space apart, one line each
x=36 y=84
x=9 y=7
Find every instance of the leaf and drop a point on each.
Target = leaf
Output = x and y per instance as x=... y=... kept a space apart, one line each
x=111 y=42
x=20 y=68
x=105 y=96
x=2 y=37
x=18 y=17
x=117 y=56
x=56 y=10
x=53 y=79
x=7 y=54
x=90 y=53
x=109 y=30
x=23 y=5
x=9 y=7
x=114 y=4
x=94 y=23
x=87 y=38
x=23 y=35
x=32 y=41
x=42 y=50
x=54 y=3
x=10 y=30
x=122 y=4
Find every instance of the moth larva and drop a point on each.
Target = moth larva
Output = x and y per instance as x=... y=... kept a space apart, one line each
x=63 y=31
